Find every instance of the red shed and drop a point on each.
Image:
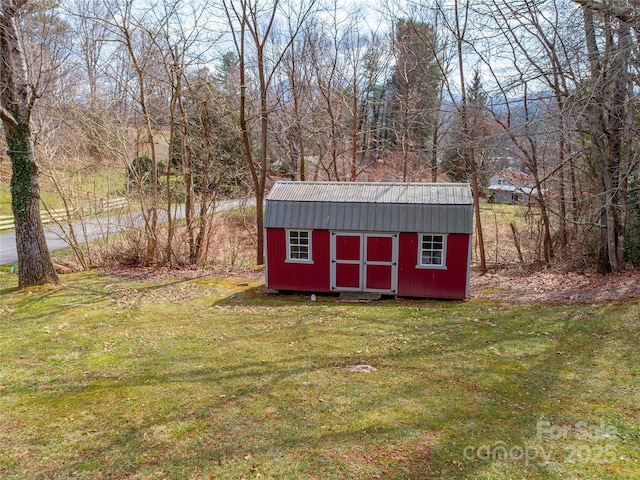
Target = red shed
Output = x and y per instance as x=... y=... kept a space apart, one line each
x=402 y=239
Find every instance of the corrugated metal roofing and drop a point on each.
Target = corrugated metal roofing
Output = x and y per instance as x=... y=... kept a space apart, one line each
x=353 y=192
x=375 y=207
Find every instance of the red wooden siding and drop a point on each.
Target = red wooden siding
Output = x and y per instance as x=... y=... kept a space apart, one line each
x=450 y=282
x=285 y=275
x=432 y=282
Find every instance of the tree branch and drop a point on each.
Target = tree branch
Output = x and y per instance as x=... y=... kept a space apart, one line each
x=8 y=118
x=627 y=14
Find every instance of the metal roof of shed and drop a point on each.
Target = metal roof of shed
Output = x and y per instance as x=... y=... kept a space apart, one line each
x=360 y=192
x=374 y=207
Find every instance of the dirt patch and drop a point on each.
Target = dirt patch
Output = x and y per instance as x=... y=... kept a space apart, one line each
x=164 y=273
x=513 y=286
x=155 y=273
x=555 y=287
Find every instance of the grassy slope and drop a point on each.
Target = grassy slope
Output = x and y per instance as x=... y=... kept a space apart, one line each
x=87 y=185
x=206 y=378
x=5 y=200
x=51 y=199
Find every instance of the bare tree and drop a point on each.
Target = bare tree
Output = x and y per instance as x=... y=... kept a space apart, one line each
x=252 y=25
x=288 y=130
x=415 y=90
x=297 y=80
x=543 y=42
x=459 y=28
x=347 y=71
x=150 y=42
x=212 y=147
x=326 y=40
x=608 y=122
x=16 y=105
x=91 y=35
x=180 y=46
x=365 y=61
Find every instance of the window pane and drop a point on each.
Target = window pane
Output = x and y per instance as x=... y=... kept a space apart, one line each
x=432 y=250
x=299 y=245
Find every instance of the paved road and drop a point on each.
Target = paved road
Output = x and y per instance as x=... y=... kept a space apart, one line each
x=94 y=228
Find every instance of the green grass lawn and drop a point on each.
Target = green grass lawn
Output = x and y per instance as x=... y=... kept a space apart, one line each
x=103 y=378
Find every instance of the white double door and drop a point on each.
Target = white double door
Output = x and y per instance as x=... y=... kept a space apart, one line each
x=364 y=262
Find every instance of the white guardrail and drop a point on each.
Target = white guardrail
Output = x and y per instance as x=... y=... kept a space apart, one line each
x=6 y=221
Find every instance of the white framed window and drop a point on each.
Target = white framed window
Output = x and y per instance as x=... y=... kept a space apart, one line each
x=299 y=246
x=432 y=250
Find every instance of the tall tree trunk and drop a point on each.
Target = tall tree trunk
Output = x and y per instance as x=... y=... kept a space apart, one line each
x=296 y=112
x=257 y=175
x=151 y=216
x=187 y=175
x=434 y=148
x=34 y=261
x=559 y=97
x=608 y=109
x=354 y=130
x=405 y=133
x=176 y=99
x=247 y=14
x=468 y=151
x=264 y=142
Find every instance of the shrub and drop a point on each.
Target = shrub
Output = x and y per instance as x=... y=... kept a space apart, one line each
x=139 y=175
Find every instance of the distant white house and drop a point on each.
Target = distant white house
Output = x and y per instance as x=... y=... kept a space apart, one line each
x=511 y=186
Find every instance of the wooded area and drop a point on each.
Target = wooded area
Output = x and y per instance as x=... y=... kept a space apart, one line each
x=199 y=100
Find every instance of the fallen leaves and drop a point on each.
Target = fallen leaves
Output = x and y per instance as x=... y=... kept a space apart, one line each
x=556 y=287
x=177 y=292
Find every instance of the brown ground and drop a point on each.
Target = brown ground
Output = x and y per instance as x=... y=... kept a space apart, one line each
x=555 y=287
x=510 y=286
